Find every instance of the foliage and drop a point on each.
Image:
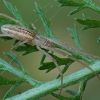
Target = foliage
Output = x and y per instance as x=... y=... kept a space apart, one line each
x=81 y=76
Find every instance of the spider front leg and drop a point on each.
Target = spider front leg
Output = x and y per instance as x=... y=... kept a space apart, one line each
x=19 y=44
x=33 y=26
x=6 y=16
x=56 y=64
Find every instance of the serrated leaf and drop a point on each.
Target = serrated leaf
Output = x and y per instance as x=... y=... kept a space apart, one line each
x=90 y=23
x=76 y=10
x=50 y=65
x=27 y=49
x=4 y=20
x=14 y=58
x=45 y=21
x=6 y=81
x=14 y=11
x=7 y=67
x=80 y=5
x=74 y=35
x=69 y=3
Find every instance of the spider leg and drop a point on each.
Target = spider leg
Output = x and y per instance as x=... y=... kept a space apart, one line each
x=33 y=26
x=17 y=21
x=3 y=35
x=57 y=66
x=70 y=56
x=20 y=44
x=79 y=61
x=71 y=48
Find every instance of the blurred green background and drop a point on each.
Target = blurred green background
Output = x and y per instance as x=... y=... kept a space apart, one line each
x=59 y=22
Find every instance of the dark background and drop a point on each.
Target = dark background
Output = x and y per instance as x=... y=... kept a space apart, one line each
x=59 y=21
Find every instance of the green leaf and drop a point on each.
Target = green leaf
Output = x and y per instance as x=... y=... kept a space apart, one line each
x=82 y=86
x=66 y=67
x=45 y=21
x=12 y=88
x=98 y=40
x=90 y=23
x=14 y=83
x=42 y=59
x=14 y=58
x=71 y=92
x=76 y=10
x=15 y=42
x=50 y=65
x=80 y=5
x=27 y=49
x=78 y=96
x=6 y=38
x=14 y=11
x=7 y=67
x=74 y=35
x=10 y=91
x=6 y=81
x=4 y=20
x=60 y=97
x=70 y=3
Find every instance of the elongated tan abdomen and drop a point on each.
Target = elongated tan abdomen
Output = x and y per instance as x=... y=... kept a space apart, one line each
x=17 y=32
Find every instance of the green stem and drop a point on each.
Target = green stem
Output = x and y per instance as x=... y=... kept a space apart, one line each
x=54 y=85
x=7 y=67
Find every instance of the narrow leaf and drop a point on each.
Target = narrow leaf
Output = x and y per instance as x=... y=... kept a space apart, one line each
x=6 y=81
x=90 y=23
x=27 y=48
x=4 y=20
x=45 y=21
x=10 y=91
x=14 y=58
x=14 y=11
x=82 y=86
x=74 y=35
x=80 y=5
x=66 y=67
x=42 y=59
x=71 y=92
x=7 y=67
x=6 y=38
x=70 y=3
x=76 y=10
x=50 y=65
x=60 y=97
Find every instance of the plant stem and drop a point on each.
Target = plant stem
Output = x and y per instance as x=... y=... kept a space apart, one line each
x=54 y=85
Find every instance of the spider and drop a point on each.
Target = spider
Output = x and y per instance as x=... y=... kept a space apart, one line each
x=24 y=35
